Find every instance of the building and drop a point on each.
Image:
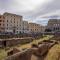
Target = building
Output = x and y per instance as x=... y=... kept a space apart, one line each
x=35 y=28
x=13 y=23
x=53 y=25
x=2 y=26
x=25 y=27
x=42 y=28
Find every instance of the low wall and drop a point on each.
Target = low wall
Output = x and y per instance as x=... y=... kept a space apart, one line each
x=24 y=55
x=13 y=42
x=40 y=51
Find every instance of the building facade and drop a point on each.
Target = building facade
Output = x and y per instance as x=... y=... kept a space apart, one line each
x=2 y=26
x=13 y=23
x=54 y=25
x=42 y=28
x=35 y=28
x=25 y=27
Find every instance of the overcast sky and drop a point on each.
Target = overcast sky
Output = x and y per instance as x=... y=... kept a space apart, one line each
x=32 y=10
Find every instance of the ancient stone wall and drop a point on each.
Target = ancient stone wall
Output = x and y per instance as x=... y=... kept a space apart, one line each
x=13 y=42
x=24 y=55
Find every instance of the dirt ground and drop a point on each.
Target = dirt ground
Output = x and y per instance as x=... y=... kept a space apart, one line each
x=53 y=54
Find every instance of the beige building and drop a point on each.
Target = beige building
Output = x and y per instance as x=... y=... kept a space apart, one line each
x=2 y=26
x=25 y=27
x=54 y=25
x=13 y=23
x=42 y=28
x=35 y=28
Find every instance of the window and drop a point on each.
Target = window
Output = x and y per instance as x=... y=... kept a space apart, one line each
x=58 y=28
x=0 y=24
x=54 y=28
x=31 y=29
x=7 y=20
x=0 y=20
x=3 y=24
x=17 y=25
x=3 y=20
x=0 y=16
x=7 y=24
x=54 y=24
x=35 y=29
x=7 y=28
x=14 y=18
x=14 y=21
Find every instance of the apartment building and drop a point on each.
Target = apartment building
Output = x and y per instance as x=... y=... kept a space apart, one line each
x=42 y=28
x=13 y=23
x=34 y=28
x=25 y=27
x=2 y=26
x=54 y=25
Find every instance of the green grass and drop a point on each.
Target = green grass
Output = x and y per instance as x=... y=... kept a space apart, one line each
x=3 y=54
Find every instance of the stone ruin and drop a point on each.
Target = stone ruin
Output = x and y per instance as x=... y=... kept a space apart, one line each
x=13 y=51
x=24 y=55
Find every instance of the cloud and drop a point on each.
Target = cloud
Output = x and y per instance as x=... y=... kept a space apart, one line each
x=51 y=8
x=34 y=10
x=20 y=5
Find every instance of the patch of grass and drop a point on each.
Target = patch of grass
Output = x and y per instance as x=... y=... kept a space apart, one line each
x=47 y=37
x=54 y=53
x=3 y=54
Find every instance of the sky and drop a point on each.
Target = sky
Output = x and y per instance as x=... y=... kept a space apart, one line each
x=38 y=11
